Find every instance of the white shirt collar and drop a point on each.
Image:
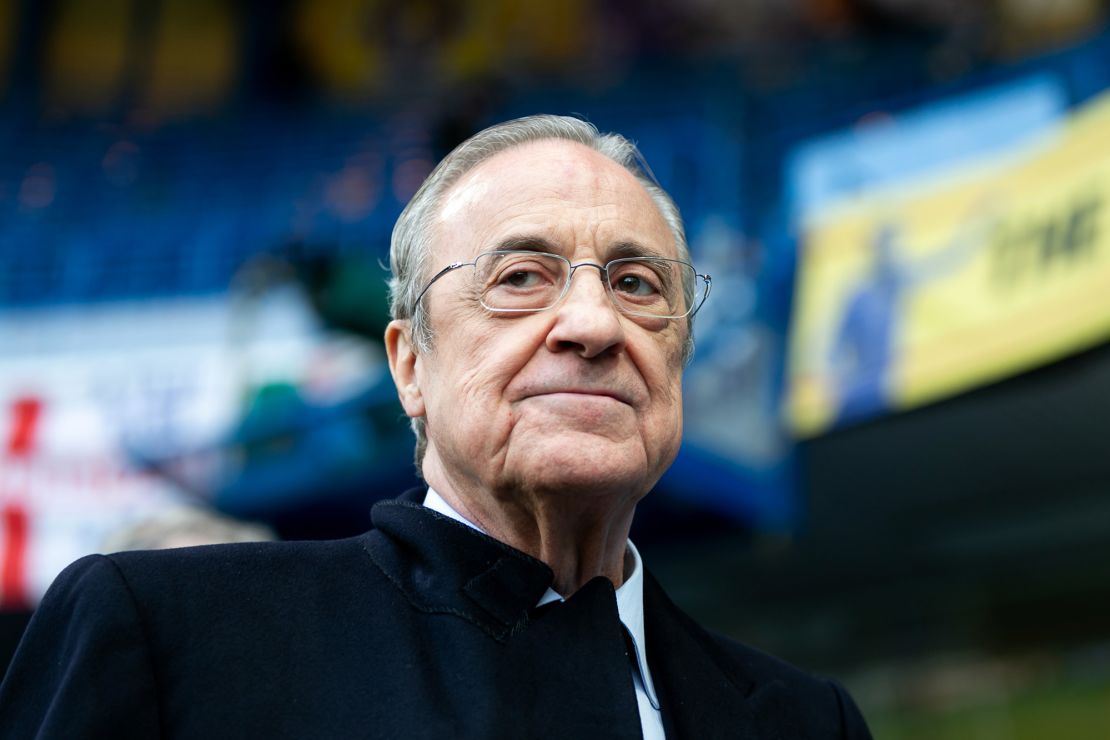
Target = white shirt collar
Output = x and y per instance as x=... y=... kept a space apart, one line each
x=630 y=595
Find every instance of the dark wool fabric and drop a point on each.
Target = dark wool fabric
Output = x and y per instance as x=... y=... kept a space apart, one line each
x=421 y=628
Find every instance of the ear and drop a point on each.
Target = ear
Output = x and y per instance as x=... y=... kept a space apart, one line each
x=403 y=362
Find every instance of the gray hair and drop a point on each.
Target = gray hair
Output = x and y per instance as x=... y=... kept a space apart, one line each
x=411 y=245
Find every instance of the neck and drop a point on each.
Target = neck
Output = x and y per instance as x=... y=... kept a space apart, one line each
x=578 y=536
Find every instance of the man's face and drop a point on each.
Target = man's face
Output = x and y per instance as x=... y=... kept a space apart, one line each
x=579 y=397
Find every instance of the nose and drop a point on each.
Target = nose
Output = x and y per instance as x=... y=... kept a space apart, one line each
x=586 y=321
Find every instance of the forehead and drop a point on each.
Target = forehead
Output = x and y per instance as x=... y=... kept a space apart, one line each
x=565 y=192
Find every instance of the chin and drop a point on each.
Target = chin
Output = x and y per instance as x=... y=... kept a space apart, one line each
x=582 y=463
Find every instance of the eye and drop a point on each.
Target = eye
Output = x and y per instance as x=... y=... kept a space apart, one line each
x=521 y=277
x=636 y=280
x=526 y=274
x=633 y=285
x=517 y=281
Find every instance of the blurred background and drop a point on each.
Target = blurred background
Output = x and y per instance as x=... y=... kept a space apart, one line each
x=896 y=466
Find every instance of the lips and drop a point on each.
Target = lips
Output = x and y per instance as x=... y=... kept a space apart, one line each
x=615 y=394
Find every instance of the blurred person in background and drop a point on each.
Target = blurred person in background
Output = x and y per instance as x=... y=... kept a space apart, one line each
x=504 y=600
x=185 y=526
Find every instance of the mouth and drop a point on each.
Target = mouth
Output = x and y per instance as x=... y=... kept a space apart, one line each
x=589 y=392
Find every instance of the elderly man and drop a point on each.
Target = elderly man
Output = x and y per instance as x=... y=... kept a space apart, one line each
x=542 y=302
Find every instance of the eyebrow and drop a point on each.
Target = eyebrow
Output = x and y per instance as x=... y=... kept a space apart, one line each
x=630 y=249
x=616 y=250
x=527 y=244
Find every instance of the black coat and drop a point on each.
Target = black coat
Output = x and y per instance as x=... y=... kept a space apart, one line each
x=421 y=628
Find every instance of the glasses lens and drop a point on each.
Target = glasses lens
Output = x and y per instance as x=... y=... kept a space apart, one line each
x=520 y=281
x=647 y=286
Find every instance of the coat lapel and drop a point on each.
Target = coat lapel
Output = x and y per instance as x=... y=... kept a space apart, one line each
x=442 y=566
x=702 y=695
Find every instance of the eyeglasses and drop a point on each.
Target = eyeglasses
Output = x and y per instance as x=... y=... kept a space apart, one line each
x=526 y=281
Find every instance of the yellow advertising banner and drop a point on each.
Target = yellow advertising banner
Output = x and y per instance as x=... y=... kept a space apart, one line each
x=912 y=294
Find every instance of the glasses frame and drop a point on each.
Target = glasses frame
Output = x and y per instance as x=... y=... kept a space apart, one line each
x=603 y=274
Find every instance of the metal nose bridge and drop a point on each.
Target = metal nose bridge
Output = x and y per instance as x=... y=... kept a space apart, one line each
x=602 y=270
x=603 y=276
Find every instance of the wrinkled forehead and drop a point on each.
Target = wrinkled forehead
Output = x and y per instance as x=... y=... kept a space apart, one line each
x=564 y=191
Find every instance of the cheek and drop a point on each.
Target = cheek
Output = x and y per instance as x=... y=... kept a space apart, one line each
x=476 y=393
x=464 y=418
x=665 y=384
x=670 y=412
x=472 y=378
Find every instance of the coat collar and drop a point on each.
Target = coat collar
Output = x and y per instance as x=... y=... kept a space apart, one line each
x=442 y=566
x=630 y=595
